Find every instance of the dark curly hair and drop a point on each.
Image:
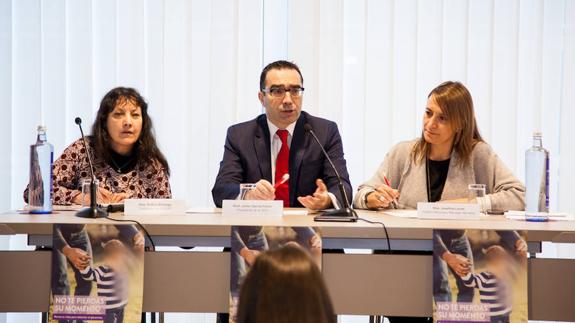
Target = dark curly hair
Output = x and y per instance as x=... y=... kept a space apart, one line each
x=145 y=148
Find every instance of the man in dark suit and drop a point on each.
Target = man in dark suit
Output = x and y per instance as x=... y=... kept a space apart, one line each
x=265 y=149
x=252 y=148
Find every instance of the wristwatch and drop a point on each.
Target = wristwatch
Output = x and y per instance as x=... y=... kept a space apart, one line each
x=365 y=198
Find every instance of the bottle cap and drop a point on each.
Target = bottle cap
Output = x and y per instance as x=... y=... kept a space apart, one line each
x=537 y=134
x=42 y=128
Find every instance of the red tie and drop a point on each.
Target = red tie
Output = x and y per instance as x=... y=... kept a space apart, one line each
x=282 y=168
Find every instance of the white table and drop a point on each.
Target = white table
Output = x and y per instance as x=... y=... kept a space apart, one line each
x=391 y=284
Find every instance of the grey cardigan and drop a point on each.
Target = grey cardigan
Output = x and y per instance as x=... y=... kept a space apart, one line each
x=503 y=190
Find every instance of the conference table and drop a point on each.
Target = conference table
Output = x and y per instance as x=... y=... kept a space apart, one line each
x=384 y=283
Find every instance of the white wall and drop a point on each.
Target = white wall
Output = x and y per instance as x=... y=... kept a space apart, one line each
x=367 y=64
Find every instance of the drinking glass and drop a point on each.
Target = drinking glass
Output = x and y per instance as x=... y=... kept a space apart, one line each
x=86 y=191
x=476 y=191
x=244 y=189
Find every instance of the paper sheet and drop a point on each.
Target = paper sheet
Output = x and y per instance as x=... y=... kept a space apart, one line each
x=204 y=210
x=295 y=212
x=402 y=213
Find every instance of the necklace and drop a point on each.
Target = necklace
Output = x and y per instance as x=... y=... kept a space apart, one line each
x=427 y=175
x=119 y=168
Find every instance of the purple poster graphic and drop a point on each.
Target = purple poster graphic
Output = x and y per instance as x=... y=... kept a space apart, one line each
x=79 y=307
x=97 y=273
x=479 y=276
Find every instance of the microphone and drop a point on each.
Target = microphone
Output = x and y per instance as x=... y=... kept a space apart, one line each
x=345 y=214
x=94 y=211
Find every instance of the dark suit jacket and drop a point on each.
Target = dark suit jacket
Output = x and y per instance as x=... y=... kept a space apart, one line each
x=247 y=159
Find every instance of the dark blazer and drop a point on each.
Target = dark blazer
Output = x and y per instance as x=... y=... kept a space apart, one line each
x=247 y=159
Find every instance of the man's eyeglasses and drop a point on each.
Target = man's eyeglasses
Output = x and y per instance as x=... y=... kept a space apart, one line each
x=280 y=92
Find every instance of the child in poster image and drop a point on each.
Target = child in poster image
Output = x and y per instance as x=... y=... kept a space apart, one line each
x=112 y=279
x=494 y=283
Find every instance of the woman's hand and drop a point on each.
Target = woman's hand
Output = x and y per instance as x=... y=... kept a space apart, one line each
x=102 y=196
x=381 y=197
x=78 y=199
x=105 y=196
x=458 y=263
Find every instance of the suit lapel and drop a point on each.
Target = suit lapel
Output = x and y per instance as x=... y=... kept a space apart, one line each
x=262 y=148
x=299 y=144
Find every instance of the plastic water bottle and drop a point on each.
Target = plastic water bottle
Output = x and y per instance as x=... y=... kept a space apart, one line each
x=40 y=185
x=537 y=181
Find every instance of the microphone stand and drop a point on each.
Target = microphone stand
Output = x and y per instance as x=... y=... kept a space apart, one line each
x=94 y=211
x=345 y=214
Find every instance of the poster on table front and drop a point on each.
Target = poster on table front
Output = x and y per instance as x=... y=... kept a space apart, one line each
x=479 y=276
x=248 y=241
x=97 y=273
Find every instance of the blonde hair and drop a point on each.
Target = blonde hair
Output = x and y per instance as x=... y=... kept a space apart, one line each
x=457 y=105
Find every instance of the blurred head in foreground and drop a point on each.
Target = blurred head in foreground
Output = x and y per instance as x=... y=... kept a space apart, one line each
x=285 y=285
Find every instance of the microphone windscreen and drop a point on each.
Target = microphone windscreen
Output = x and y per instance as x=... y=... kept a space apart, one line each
x=78 y=120
x=307 y=127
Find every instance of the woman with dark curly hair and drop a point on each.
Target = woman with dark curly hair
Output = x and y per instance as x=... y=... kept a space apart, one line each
x=127 y=164
x=127 y=160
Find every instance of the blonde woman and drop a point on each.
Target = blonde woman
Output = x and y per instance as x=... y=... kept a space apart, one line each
x=439 y=166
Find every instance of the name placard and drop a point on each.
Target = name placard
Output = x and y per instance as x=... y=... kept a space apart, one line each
x=154 y=207
x=448 y=211
x=246 y=207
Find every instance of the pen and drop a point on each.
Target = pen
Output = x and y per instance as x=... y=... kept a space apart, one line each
x=284 y=179
x=388 y=183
